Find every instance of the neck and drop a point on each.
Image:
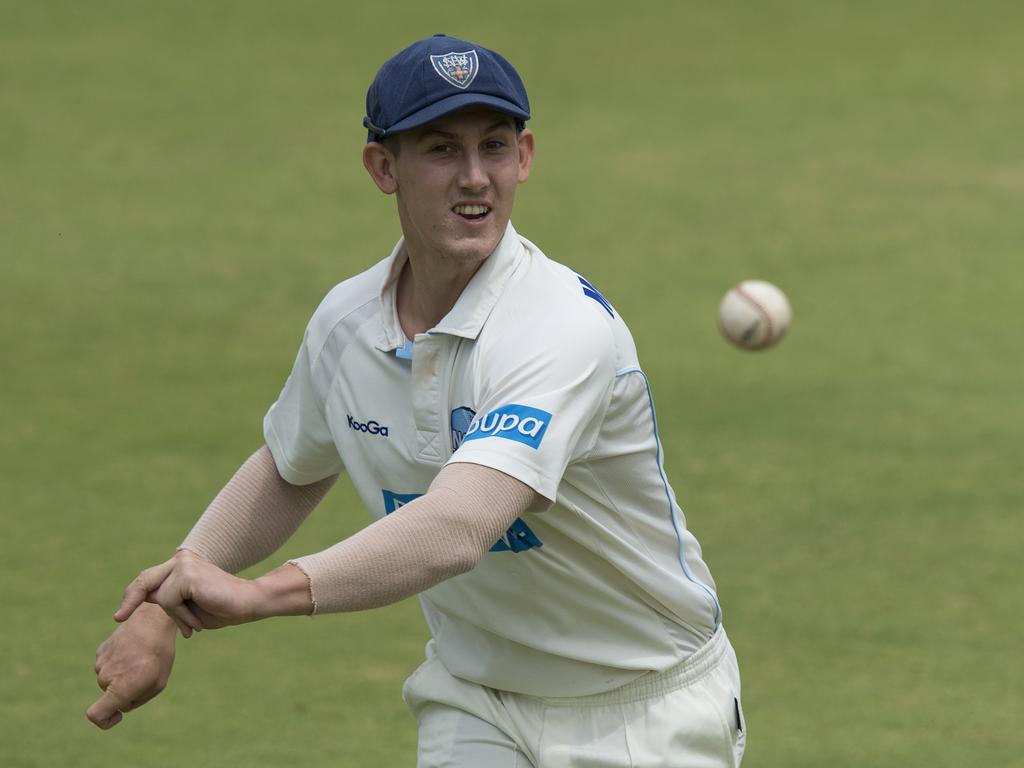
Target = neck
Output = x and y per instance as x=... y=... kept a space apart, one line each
x=427 y=292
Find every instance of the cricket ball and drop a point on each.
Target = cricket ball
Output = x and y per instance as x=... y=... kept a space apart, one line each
x=754 y=314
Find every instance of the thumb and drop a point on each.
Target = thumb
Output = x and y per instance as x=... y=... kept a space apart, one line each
x=106 y=711
x=135 y=594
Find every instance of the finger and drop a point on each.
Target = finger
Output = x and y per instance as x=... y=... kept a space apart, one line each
x=135 y=593
x=173 y=596
x=182 y=615
x=185 y=629
x=101 y=654
x=106 y=710
x=168 y=608
x=110 y=722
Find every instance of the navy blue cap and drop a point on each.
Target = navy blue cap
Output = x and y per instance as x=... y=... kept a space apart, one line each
x=437 y=76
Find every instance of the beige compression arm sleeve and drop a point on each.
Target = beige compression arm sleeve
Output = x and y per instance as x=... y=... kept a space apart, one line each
x=441 y=534
x=254 y=514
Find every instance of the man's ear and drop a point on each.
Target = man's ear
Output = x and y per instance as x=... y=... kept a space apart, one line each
x=526 y=151
x=380 y=164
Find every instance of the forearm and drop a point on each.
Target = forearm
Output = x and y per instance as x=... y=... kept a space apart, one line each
x=253 y=515
x=440 y=535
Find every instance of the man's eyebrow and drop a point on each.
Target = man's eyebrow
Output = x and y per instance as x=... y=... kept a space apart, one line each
x=437 y=132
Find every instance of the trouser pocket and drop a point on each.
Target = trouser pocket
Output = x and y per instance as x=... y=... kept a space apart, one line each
x=739 y=726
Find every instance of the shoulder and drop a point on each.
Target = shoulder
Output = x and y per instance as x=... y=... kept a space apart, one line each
x=548 y=305
x=348 y=303
x=560 y=291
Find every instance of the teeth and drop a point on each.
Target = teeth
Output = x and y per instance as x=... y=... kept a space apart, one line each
x=471 y=210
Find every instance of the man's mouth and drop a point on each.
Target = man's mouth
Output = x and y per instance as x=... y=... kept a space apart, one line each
x=471 y=212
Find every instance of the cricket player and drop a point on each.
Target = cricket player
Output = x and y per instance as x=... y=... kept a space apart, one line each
x=488 y=405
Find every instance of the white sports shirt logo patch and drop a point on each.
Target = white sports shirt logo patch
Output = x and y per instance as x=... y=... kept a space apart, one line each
x=459 y=69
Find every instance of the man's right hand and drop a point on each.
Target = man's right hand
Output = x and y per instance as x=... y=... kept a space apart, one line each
x=133 y=665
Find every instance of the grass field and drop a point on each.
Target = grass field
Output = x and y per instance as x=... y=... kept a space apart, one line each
x=180 y=184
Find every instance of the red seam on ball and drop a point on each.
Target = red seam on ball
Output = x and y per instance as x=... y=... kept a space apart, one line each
x=764 y=313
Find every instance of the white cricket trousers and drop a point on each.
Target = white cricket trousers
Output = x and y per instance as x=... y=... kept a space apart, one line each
x=688 y=716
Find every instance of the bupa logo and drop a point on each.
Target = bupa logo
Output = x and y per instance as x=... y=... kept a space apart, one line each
x=513 y=422
x=370 y=427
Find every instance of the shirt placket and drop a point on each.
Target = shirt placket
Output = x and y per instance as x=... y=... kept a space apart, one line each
x=431 y=371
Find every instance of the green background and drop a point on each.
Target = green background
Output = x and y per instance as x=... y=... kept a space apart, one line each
x=180 y=184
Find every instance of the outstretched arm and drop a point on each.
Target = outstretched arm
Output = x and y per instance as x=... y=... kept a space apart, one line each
x=249 y=519
x=443 y=533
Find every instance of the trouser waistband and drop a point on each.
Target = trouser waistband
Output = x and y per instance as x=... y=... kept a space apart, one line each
x=651 y=684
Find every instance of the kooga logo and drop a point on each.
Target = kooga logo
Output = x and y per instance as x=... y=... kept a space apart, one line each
x=513 y=422
x=370 y=427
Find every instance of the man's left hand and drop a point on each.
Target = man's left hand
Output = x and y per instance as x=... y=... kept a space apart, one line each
x=195 y=593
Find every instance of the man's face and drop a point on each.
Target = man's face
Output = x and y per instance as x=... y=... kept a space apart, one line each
x=455 y=180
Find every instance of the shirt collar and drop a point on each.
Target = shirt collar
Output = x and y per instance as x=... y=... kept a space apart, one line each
x=473 y=306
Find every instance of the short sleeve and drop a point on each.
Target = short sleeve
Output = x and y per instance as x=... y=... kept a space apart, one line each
x=296 y=429
x=542 y=401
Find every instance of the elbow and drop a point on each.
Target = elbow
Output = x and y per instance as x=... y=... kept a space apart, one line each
x=469 y=561
x=459 y=549
x=463 y=559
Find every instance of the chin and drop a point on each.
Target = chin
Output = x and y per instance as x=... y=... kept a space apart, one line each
x=473 y=248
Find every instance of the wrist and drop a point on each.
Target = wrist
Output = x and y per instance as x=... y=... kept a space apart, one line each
x=150 y=624
x=283 y=591
x=152 y=615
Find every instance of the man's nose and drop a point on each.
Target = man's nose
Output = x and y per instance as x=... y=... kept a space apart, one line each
x=472 y=174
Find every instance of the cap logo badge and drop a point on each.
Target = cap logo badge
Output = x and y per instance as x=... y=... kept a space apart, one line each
x=459 y=69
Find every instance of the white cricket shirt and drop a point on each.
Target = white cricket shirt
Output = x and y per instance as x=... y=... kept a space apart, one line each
x=532 y=373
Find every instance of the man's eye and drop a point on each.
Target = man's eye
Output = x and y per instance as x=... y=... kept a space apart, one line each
x=495 y=145
x=442 y=149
